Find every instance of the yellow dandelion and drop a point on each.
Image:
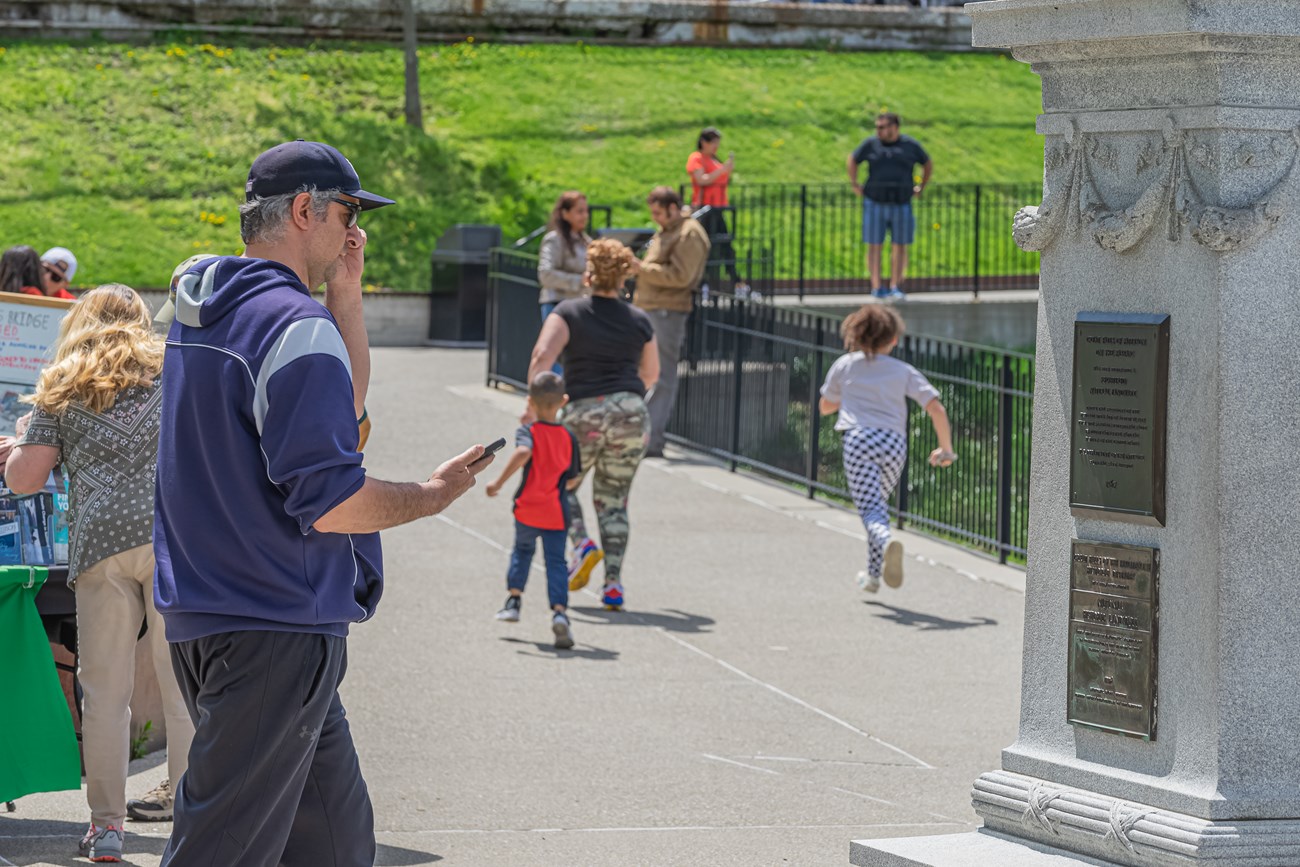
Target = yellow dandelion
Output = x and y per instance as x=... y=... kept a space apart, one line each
x=470 y=40
x=306 y=77
x=99 y=66
x=936 y=227
x=778 y=143
x=589 y=127
x=130 y=54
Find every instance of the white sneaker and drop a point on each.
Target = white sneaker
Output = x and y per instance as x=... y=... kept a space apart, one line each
x=894 y=564
x=869 y=583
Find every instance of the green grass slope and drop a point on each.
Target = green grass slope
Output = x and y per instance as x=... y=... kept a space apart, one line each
x=135 y=155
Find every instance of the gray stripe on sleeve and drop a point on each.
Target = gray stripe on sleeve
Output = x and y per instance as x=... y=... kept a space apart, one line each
x=313 y=336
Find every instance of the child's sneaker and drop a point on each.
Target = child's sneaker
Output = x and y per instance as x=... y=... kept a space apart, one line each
x=868 y=583
x=563 y=632
x=894 y=563
x=584 y=560
x=613 y=597
x=510 y=611
x=102 y=844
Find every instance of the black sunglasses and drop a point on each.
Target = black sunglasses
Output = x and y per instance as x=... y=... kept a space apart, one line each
x=354 y=210
x=55 y=276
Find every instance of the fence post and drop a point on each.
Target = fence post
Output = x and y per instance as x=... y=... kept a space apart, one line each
x=1004 y=461
x=814 y=414
x=737 y=374
x=976 y=265
x=803 y=234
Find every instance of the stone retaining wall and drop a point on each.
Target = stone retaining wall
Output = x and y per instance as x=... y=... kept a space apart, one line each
x=668 y=22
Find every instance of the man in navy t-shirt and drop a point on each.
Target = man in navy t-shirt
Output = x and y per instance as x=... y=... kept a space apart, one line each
x=891 y=160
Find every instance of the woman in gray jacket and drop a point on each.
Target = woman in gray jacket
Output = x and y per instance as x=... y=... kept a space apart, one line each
x=563 y=257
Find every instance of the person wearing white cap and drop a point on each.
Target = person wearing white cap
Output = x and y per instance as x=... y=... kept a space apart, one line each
x=58 y=267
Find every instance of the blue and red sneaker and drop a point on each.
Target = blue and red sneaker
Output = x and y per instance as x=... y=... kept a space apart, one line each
x=613 y=596
x=584 y=560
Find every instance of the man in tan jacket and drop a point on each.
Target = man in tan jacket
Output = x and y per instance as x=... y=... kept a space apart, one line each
x=665 y=289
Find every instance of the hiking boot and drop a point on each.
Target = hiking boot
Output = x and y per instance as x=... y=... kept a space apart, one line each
x=868 y=583
x=613 y=597
x=584 y=560
x=102 y=844
x=894 y=564
x=510 y=611
x=155 y=806
x=563 y=632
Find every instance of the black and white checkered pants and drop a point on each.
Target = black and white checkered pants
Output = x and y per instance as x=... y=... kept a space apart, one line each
x=873 y=462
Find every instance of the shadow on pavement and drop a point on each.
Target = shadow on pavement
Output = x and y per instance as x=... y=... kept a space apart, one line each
x=672 y=621
x=54 y=842
x=396 y=856
x=904 y=617
x=596 y=654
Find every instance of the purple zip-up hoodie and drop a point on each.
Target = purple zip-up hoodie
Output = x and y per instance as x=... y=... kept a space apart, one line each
x=258 y=441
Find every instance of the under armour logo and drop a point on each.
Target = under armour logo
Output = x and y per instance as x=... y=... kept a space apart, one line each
x=308 y=734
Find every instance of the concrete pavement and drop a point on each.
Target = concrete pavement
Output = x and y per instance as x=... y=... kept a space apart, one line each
x=751 y=707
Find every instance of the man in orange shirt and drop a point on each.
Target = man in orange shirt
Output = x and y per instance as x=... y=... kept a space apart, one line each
x=709 y=179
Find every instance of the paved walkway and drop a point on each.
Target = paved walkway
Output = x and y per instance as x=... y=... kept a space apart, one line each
x=752 y=707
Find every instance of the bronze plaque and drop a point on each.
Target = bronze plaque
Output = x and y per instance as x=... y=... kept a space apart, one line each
x=1113 y=617
x=1117 y=441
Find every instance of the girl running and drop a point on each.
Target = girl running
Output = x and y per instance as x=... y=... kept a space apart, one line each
x=869 y=389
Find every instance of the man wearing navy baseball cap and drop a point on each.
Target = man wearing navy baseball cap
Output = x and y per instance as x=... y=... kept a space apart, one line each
x=266 y=530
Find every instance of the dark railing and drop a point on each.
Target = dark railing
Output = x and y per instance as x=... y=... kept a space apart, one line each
x=963 y=237
x=750 y=378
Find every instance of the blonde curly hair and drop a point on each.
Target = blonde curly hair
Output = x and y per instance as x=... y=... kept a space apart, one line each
x=609 y=262
x=106 y=345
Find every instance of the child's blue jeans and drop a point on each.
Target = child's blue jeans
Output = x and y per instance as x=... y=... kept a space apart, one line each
x=521 y=559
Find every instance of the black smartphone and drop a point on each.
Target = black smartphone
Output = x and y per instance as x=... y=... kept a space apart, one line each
x=490 y=451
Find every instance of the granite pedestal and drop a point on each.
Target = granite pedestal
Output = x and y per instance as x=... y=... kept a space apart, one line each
x=1170 y=188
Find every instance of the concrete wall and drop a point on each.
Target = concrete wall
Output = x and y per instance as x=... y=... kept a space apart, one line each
x=392 y=318
x=670 y=22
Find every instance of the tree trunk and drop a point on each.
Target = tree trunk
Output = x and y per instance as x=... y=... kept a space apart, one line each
x=414 y=115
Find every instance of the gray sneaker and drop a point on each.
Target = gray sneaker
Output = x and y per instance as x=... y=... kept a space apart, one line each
x=510 y=611
x=563 y=632
x=155 y=806
x=894 y=564
x=102 y=844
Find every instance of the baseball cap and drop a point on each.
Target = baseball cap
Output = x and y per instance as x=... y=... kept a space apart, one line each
x=163 y=321
x=289 y=167
x=61 y=260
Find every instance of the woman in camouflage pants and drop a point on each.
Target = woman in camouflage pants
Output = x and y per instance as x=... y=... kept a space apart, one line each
x=610 y=360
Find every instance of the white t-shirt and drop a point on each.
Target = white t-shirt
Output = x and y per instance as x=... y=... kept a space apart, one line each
x=872 y=392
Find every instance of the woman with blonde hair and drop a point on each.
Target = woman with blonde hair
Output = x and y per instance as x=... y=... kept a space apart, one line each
x=869 y=389
x=610 y=360
x=96 y=411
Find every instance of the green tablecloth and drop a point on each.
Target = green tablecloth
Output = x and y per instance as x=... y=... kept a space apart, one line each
x=38 y=745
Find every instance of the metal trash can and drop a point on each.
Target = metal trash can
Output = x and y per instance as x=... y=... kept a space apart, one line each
x=458 y=315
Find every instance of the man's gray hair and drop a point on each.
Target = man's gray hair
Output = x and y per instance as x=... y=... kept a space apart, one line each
x=262 y=220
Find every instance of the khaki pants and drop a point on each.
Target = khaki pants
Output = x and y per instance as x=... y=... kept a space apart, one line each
x=113 y=597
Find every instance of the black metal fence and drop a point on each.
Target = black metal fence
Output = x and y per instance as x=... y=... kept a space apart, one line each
x=750 y=377
x=963 y=237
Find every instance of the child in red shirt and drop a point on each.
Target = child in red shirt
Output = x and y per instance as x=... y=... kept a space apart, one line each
x=549 y=456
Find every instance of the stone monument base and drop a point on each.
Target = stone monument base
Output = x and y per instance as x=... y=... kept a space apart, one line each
x=979 y=849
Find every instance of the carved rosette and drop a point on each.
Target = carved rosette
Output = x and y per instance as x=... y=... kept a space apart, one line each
x=1170 y=198
x=1124 y=832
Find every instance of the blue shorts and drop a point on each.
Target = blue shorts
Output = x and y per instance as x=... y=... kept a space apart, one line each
x=897 y=219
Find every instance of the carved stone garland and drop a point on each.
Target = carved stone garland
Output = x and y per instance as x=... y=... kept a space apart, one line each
x=1172 y=198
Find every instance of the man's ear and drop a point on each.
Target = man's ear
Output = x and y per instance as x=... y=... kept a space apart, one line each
x=300 y=211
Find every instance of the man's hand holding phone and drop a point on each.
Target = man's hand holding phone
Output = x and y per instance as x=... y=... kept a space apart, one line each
x=456 y=476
